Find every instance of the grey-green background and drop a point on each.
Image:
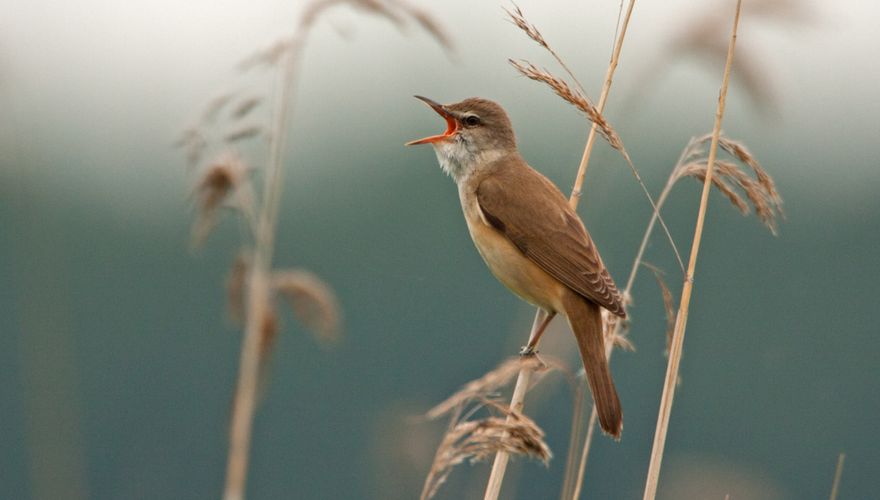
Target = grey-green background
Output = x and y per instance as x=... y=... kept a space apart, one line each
x=116 y=358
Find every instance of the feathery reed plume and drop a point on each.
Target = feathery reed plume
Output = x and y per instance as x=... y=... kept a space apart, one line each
x=667 y=398
x=573 y=97
x=312 y=301
x=478 y=440
x=761 y=191
x=487 y=384
x=519 y=19
x=216 y=184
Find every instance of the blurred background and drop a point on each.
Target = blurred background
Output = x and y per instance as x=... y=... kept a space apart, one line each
x=117 y=358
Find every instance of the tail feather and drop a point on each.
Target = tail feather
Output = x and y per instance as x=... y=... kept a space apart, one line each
x=585 y=319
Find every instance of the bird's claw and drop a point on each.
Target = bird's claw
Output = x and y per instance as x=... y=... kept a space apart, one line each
x=527 y=350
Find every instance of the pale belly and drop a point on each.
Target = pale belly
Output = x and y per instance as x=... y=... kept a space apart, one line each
x=510 y=266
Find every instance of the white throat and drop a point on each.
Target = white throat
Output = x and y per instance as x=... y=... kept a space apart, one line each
x=459 y=159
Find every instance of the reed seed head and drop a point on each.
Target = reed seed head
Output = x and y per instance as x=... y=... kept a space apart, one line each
x=214 y=186
x=479 y=440
x=312 y=301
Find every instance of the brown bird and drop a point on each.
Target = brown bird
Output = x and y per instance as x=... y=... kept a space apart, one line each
x=529 y=236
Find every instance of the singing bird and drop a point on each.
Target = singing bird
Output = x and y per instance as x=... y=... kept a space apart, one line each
x=529 y=236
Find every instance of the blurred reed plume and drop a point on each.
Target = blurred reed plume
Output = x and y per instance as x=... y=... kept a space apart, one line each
x=703 y=36
x=226 y=124
x=225 y=181
x=312 y=302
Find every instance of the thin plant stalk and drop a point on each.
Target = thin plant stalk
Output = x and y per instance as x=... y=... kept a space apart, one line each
x=603 y=98
x=576 y=429
x=517 y=401
x=499 y=466
x=244 y=402
x=838 y=472
x=684 y=303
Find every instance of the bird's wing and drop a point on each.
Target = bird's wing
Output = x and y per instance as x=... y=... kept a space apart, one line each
x=544 y=228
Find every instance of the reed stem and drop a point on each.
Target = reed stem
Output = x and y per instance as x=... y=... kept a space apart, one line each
x=681 y=318
x=244 y=402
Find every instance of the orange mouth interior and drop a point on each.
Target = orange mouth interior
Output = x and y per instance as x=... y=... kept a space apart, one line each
x=451 y=129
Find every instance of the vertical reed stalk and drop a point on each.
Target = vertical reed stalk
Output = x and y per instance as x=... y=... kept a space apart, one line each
x=245 y=398
x=838 y=472
x=499 y=466
x=681 y=318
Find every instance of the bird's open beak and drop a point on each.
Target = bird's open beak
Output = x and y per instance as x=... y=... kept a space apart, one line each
x=451 y=123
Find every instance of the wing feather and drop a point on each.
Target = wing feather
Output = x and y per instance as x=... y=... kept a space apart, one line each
x=544 y=228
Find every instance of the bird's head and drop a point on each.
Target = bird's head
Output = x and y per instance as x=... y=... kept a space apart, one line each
x=478 y=132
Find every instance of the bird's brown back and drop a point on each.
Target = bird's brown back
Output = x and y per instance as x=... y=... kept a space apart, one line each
x=531 y=211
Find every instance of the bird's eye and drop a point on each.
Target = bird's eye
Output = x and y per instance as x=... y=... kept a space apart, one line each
x=471 y=120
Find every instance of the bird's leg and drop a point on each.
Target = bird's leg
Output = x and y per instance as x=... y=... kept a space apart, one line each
x=542 y=319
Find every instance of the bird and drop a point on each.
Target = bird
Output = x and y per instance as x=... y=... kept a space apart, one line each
x=530 y=237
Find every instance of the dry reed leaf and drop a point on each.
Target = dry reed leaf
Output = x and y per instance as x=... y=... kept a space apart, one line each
x=242 y=133
x=479 y=440
x=668 y=303
x=214 y=186
x=502 y=375
x=573 y=97
x=312 y=300
x=244 y=107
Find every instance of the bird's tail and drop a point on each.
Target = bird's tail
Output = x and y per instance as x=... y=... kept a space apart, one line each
x=585 y=319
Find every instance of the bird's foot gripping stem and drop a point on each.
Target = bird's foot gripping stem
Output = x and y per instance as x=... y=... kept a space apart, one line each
x=527 y=350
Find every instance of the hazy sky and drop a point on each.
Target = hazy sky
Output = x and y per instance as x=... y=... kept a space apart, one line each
x=110 y=83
